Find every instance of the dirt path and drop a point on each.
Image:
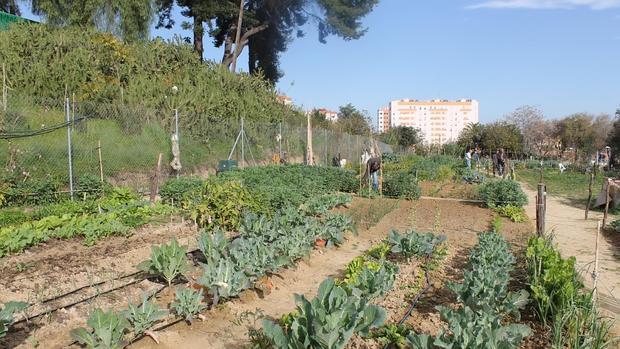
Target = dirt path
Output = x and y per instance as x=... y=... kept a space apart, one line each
x=576 y=236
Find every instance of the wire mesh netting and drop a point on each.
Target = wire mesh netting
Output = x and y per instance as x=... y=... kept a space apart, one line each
x=122 y=144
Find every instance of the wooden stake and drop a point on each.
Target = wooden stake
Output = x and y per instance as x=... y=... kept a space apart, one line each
x=155 y=180
x=595 y=272
x=100 y=161
x=381 y=179
x=606 y=202
x=589 y=193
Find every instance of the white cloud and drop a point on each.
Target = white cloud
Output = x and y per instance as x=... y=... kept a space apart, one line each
x=547 y=4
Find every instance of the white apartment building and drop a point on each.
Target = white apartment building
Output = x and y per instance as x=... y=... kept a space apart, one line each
x=440 y=121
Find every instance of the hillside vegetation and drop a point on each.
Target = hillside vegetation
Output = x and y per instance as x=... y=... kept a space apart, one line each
x=126 y=91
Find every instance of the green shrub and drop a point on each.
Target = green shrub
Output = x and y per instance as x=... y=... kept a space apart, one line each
x=34 y=192
x=222 y=203
x=502 y=193
x=616 y=225
x=176 y=190
x=89 y=186
x=13 y=217
x=292 y=185
x=401 y=185
x=444 y=173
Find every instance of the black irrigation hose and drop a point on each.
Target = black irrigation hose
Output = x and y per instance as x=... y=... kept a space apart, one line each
x=49 y=311
x=414 y=302
x=44 y=130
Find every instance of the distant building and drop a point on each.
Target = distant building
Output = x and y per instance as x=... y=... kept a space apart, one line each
x=439 y=121
x=383 y=120
x=330 y=115
x=286 y=100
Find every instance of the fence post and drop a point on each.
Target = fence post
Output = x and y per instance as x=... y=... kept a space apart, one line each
x=176 y=132
x=100 y=161
x=68 y=116
x=4 y=88
x=595 y=272
x=606 y=202
x=541 y=201
x=589 y=193
x=155 y=180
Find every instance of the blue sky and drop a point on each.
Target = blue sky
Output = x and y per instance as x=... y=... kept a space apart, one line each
x=560 y=55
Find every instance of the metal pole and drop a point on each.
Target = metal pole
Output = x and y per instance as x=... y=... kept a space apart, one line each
x=280 y=141
x=606 y=202
x=176 y=132
x=242 y=147
x=540 y=209
x=68 y=114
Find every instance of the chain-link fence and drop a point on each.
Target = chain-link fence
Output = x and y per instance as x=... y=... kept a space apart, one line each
x=122 y=144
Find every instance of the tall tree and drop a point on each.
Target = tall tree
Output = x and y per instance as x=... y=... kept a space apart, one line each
x=10 y=6
x=471 y=135
x=527 y=118
x=575 y=131
x=129 y=19
x=613 y=139
x=268 y=25
x=352 y=121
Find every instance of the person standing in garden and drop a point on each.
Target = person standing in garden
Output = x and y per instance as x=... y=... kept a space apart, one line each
x=468 y=158
x=494 y=159
x=501 y=162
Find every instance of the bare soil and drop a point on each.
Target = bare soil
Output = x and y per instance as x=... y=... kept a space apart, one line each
x=62 y=266
x=59 y=266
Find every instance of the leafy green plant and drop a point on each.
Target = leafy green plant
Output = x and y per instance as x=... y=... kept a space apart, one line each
x=177 y=190
x=372 y=280
x=223 y=279
x=143 y=316
x=393 y=335
x=212 y=245
x=561 y=299
x=379 y=251
x=616 y=225
x=501 y=193
x=222 y=203
x=515 y=213
x=108 y=329
x=322 y=204
x=6 y=315
x=188 y=303
x=334 y=227
x=472 y=330
x=402 y=185
x=169 y=261
x=413 y=244
x=90 y=186
x=327 y=321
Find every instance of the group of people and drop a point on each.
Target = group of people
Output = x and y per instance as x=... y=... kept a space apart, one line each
x=499 y=159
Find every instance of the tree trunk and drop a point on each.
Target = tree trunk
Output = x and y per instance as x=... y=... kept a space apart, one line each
x=199 y=32
x=252 y=57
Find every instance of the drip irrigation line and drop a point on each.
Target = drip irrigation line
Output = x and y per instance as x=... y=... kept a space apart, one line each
x=72 y=304
x=97 y=294
x=414 y=301
x=44 y=130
